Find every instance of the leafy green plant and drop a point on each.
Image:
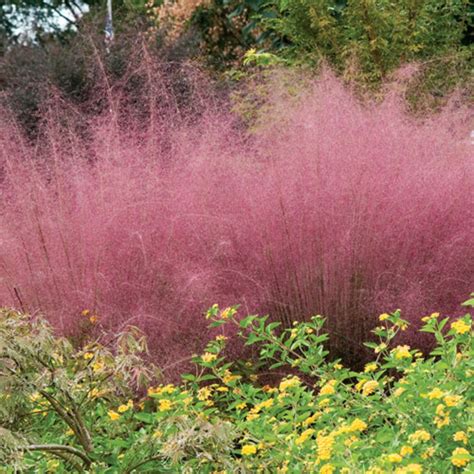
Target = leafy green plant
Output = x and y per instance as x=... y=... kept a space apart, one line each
x=365 y=41
x=54 y=397
x=292 y=410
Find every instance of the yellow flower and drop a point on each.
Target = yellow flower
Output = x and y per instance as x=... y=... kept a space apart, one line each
x=187 y=401
x=267 y=403
x=204 y=393
x=113 y=415
x=460 y=326
x=93 y=319
x=85 y=312
x=428 y=453
x=435 y=393
x=338 y=366
x=249 y=449
x=460 y=457
x=208 y=357
x=381 y=347
x=221 y=338
x=327 y=469
x=229 y=377
x=88 y=356
x=252 y=416
x=452 y=400
x=384 y=317
x=371 y=367
x=460 y=436
x=162 y=390
x=96 y=393
x=398 y=391
x=350 y=441
x=165 y=405
x=157 y=434
x=440 y=422
x=289 y=383
x=69 y=432
x=369 y=387
x=323 y=402
x=97 y=366
x=440 y=410
x=241 y=406
x=222 y=389
x=227 y=313
x=328 y=388
x=394 y=458
x=304 y=436
x=358 y=425
x=311 y=419
x=124 y=408
x=401 y=352
x=324 y=446
x=406 y=451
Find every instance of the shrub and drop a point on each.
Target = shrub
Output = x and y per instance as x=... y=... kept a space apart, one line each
x=152 y=211
x=404 y=413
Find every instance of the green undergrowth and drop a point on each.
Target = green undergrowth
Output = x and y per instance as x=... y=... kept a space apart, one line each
x=102 y=409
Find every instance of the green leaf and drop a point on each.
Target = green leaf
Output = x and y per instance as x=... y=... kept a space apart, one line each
x=144 y=417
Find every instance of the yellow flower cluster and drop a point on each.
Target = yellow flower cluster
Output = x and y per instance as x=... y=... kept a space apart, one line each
x=460 y=436
x=401 y=352
x=113 y=415
x=165 y=405
x=289 y=383
x=371 y=367
x=304 y=436
x=367 y=386
x=460 y=327
x=325 y=446
x=249 y=449
x=125 y=407
x=229 y=377
x=207 y=357
x=327 y=469
x=460 y=457
x=419 y=436
x=254 y=412
x=311 y=419
x=435 y=394
x=452 y=400
x=93 y=318
x=328 y=388
x=161 y=390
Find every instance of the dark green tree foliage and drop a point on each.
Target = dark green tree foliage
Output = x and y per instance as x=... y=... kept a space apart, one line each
x=364 y=41
x=369 y=38
x=228 y=28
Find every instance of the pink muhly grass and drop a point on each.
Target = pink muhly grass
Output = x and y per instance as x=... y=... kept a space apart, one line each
x=341 y=209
